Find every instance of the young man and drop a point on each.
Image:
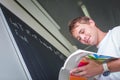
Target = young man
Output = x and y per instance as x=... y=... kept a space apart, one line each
x=85 y=30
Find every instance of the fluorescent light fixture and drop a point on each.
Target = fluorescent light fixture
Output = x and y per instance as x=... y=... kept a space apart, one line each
x=84 y=9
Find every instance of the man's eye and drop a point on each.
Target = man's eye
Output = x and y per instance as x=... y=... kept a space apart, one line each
x=79 y=39
x=81 y=31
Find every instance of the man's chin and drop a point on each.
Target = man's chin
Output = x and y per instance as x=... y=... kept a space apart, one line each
x=89 y=44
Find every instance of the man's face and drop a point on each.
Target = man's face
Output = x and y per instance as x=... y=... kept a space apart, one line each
x=86 y=33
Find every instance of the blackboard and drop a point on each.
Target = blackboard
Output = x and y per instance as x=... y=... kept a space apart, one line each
x=42 y=59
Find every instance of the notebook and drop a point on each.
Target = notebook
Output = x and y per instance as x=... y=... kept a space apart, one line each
x=76 y=59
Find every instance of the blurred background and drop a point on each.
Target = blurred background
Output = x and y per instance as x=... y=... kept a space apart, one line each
x=106 y=14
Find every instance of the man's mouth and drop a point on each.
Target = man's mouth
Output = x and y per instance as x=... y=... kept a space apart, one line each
x=88 y=40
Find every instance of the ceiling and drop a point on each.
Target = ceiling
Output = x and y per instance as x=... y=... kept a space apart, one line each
x=104 y=12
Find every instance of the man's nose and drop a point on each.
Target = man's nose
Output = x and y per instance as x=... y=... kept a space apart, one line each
x=83 y=37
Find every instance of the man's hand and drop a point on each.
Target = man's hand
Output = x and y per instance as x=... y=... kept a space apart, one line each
x=93 y=68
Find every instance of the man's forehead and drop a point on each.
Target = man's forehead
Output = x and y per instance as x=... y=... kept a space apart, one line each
x=77 y=24
x=75 y=30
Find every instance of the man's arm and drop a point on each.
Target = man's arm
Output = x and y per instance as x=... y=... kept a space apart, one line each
x=94 y=68
x=114 y=65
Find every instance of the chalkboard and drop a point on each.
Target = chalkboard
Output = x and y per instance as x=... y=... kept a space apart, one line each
x=42 y=59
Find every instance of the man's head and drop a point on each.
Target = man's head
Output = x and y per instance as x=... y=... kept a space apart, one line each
x=84 y=30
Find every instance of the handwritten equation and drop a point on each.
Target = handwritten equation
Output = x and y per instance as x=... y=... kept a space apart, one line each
x=21 y=32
